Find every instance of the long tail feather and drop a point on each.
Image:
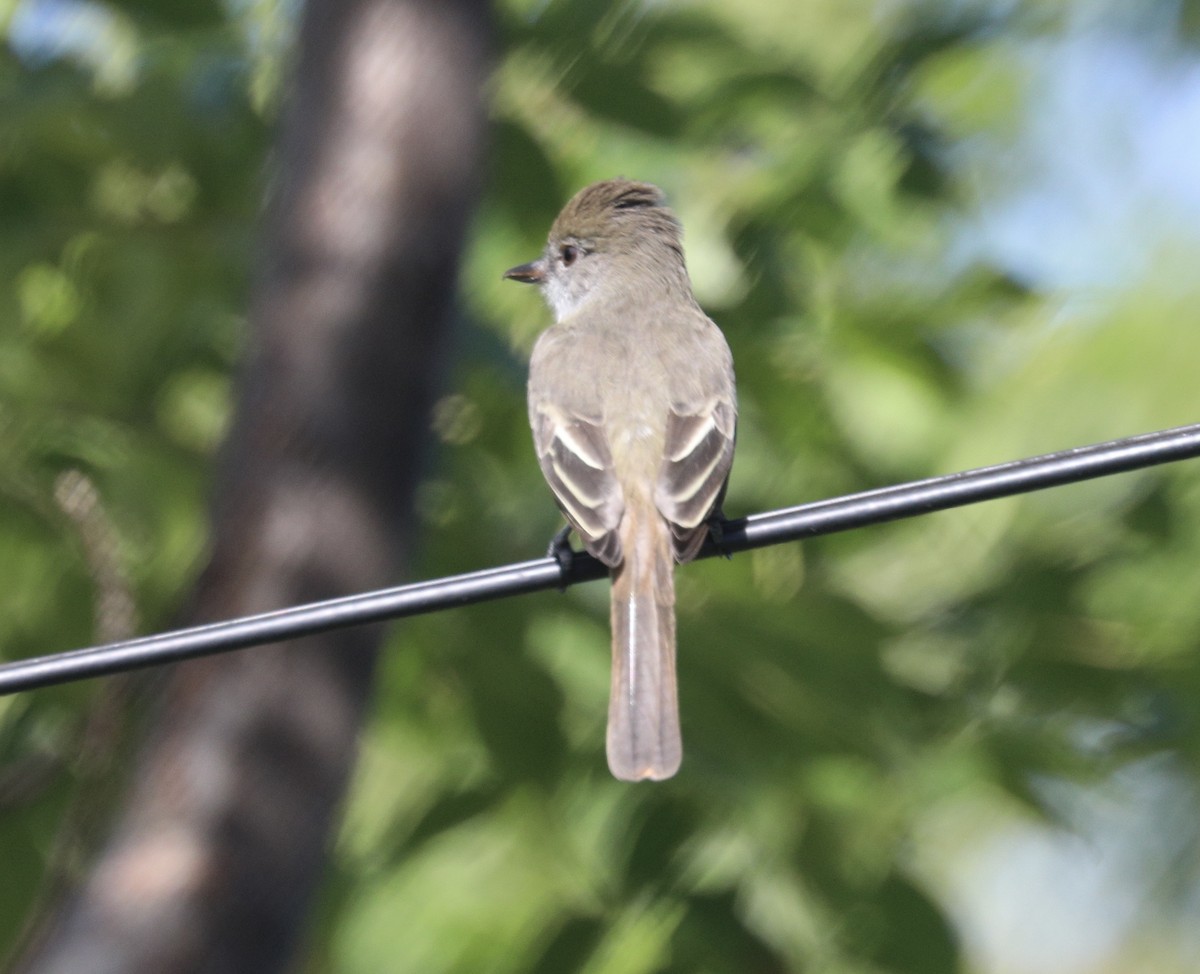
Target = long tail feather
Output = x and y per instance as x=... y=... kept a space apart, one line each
x=643 y=711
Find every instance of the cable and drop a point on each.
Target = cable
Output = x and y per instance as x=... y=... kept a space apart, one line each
x=744 y=534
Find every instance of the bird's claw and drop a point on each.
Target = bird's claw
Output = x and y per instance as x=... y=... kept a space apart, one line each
x=716 y=531
x=561 y=551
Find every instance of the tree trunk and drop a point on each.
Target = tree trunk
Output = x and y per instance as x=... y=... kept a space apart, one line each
x=220 y=841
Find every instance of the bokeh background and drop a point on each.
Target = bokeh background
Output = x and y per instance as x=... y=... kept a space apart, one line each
x=937 y=234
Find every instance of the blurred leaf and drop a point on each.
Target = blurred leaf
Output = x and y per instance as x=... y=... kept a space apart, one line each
x=835 y=165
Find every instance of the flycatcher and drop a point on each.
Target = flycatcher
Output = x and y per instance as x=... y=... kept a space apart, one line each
x=633 y=409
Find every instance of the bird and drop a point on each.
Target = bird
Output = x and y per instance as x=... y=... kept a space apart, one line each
x=633 y=407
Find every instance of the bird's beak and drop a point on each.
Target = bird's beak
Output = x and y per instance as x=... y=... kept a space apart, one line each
x=532 y=273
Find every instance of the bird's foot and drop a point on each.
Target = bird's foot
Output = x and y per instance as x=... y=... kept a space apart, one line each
x=716 y=531
x=561 y=551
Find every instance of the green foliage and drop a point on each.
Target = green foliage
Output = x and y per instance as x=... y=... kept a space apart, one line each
x=839 y=699
x=130 y=179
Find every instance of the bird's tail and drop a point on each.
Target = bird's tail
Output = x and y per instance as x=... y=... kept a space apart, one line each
x=643 y=711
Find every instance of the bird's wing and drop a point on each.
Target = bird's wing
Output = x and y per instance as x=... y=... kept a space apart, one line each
x=698 y=452
x=576 y=462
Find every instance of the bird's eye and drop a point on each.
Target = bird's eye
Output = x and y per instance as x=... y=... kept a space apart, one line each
x=568 y=254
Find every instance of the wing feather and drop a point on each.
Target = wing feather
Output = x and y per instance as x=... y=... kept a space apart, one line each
x=698 y=454
x=575 y=460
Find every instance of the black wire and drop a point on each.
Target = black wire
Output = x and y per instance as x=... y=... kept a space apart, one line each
x=756 y=531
